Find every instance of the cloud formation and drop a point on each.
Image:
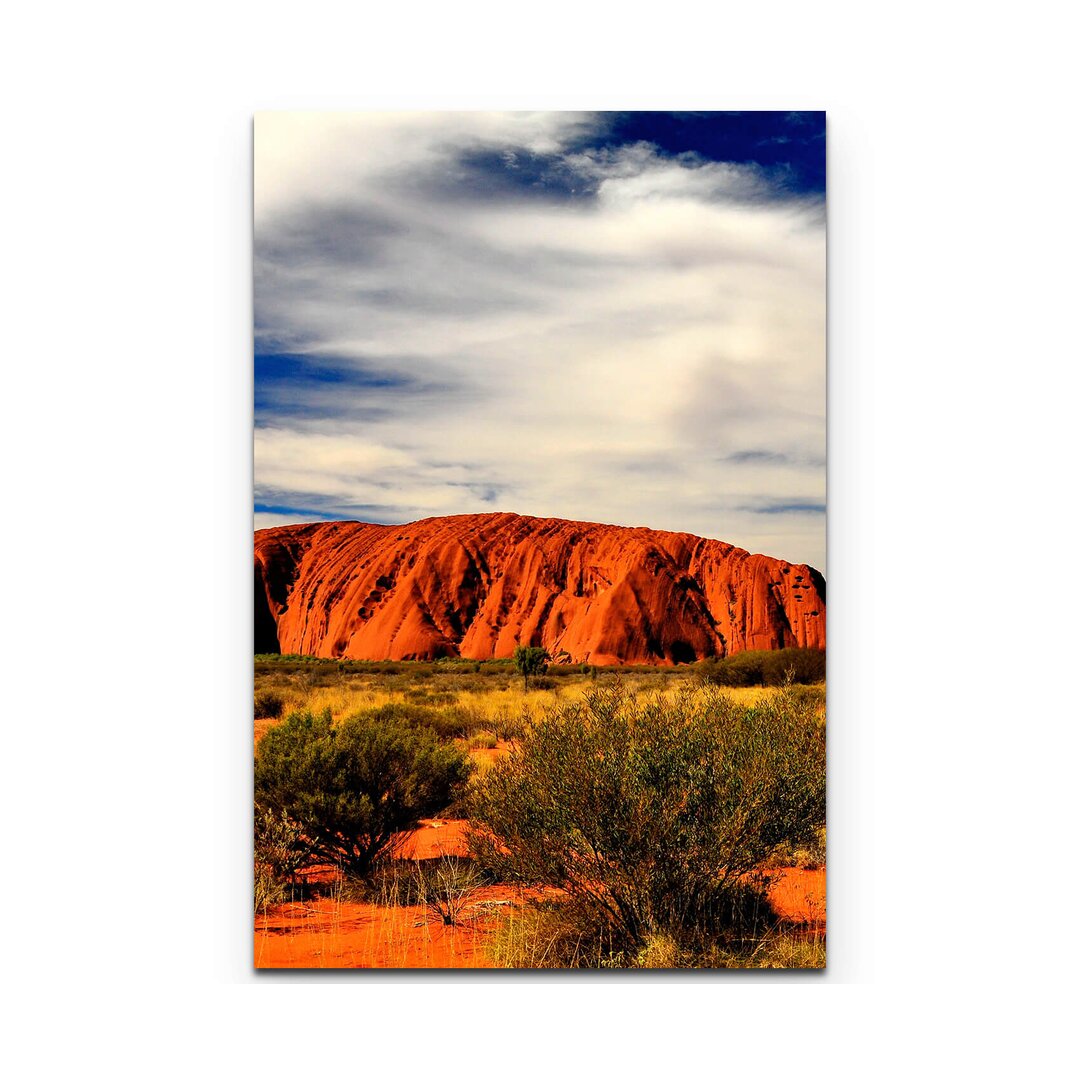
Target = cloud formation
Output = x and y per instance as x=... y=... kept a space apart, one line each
x=540 y=313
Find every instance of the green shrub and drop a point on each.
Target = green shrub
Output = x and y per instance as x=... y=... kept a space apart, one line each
x=465 y=719
x=653 y=817
x=403 y=714
x=456 y=722
x=764 y=668
x=430 y=697
x=356 y=787
x=796 y=665
x=268 y=705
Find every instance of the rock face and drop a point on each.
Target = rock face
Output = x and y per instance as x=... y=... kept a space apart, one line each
x=477 y=585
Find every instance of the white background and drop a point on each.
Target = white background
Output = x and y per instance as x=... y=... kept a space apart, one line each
x=126 y=622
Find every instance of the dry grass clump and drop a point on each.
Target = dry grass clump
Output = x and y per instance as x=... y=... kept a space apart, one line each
x=660 y=952
x=781 y=947
x=551 y=934
x=279 y=855
x=790 y=951
x=447 y=887
x=809 y=855
x=269 y=704
x=784 y=946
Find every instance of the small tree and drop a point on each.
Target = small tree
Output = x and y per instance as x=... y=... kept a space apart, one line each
x=652 y=817
x=355 y=788
x=530 y=660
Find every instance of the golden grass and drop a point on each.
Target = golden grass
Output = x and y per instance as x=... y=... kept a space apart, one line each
x=503 y=698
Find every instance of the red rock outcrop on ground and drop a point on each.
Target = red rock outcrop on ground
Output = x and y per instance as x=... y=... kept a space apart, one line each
x=477 y=585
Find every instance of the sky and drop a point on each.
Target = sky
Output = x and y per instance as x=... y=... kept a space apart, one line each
x=614 y=317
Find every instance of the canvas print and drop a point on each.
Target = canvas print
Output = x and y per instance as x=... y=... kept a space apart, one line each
x=539 y=508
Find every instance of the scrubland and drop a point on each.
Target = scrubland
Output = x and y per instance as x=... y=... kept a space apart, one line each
x=440 y=815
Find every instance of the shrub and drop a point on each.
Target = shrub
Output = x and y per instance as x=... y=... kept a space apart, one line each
x=455 y=722
x=391 y=883
x=463 y=720
x=796 y=665
x=280 y=853
x=267 y=890
x=765 y=668
x=356 y=787
x=660 y=952
x=553 y=934
x=447 y=886
x=483 y=740
x=430 y=697
x=653 y=817
x=808 y=855
x=509 y=725
x=408 y=713
x=268 y=705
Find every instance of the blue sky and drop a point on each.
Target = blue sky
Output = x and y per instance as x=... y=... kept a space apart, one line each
x=615 y=317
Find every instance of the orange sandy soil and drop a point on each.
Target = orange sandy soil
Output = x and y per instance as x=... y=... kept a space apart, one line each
x=799 y=896
x=327 y=933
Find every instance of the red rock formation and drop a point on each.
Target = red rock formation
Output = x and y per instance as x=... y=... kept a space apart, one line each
x=477 y=585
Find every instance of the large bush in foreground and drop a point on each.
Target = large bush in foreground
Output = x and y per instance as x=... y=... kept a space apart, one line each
x=652 y=816
x=354 y=787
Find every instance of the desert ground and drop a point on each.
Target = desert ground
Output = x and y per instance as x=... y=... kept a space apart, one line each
x=428 y=901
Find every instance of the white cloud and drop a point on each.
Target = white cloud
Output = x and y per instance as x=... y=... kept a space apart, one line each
x=650 y=354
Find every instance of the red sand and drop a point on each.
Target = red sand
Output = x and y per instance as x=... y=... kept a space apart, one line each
x=435 y=837
x=799 y=895
x=328 y=933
